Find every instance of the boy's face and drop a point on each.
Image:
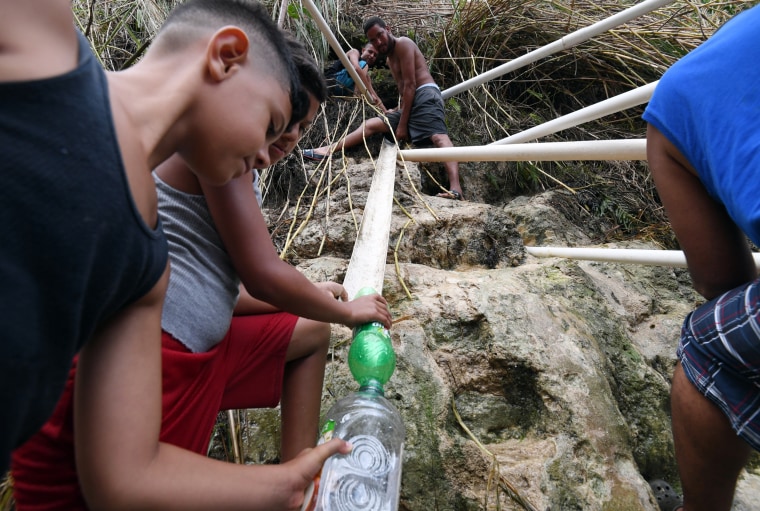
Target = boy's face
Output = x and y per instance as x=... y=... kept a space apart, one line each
x=234 y=127
x=288 y=140
x=379 y=38
x=369 y=55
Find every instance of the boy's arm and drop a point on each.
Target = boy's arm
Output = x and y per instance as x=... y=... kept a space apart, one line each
x=122 y=465
x=353 y=57
x=248 y=305
x=246 y=238
x=716 y=250
x=367 y=81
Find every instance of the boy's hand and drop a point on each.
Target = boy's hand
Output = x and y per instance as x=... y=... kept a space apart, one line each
x=366 y=309
x=336 y=290
x=310 y=461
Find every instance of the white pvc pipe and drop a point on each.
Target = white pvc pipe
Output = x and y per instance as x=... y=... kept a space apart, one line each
x=564 y=43
x=671 y=258
x=335 y=45
x=631 y=149
x=368 y=259
x=614 y=104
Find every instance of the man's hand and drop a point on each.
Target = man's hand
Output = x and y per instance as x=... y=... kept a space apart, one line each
x=402 y=133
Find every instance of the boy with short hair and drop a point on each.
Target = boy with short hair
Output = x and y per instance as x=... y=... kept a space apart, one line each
x=212 y=360
x=84 y=261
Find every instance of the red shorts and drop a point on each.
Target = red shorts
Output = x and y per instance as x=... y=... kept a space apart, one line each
x=244 y=370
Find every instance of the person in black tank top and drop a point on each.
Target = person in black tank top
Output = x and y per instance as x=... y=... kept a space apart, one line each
x=83 y=261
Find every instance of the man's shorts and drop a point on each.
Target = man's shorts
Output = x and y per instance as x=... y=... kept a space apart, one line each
x=426 y=118
x=720 y=354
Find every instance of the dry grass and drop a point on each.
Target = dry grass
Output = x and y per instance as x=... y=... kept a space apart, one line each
x=464 y=38
x=482 y=35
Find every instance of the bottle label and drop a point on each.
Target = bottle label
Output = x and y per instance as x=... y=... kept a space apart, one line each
x=372 y=327
x=327 y=432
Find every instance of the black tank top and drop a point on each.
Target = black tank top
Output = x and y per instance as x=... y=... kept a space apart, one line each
x=73 y=247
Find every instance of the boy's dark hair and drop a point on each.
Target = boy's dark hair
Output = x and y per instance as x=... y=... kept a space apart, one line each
x=371 y=22
x=194 y=17
x=308 y=72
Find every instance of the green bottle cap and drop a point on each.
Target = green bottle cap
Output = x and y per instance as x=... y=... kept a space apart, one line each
x=367 y=290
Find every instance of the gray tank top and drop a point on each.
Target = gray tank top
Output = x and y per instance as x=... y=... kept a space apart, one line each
x=203 y=286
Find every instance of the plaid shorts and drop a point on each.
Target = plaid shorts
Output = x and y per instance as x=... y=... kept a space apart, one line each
x=720 y=354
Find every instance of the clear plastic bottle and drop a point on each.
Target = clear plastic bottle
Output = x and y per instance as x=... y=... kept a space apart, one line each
x=369 y=477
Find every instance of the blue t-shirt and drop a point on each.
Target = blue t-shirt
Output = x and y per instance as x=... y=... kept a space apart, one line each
x=708 y=105
x=343 y=78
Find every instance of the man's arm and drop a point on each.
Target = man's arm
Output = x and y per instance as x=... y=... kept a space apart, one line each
x=247 y=305
x=407 y=81
x=716 y=250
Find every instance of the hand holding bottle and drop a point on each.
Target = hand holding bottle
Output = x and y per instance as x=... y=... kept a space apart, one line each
x=309 y=462
x=369 y=308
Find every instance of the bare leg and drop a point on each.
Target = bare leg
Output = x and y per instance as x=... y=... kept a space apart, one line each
x=709 y=453
x=302 y=387
x=452 y=167
x=367 y=129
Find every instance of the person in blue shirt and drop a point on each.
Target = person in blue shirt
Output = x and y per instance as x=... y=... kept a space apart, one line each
x=703 y=148
x=340 y=83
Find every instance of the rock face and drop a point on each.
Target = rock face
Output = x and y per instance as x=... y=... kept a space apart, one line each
x=544 y=377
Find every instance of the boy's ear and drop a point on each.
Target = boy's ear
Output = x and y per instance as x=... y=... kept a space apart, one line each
x=226 y=52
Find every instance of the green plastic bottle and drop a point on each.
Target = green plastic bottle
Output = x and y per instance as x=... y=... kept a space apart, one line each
x=371 y=358
x=369 y=477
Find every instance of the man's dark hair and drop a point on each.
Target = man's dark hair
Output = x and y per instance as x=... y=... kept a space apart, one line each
x=194 y=17
x=371 y=22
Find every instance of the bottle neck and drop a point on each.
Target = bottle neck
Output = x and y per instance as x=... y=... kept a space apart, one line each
x=372 y=387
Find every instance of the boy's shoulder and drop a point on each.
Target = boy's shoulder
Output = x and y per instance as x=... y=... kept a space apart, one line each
x=33 y=46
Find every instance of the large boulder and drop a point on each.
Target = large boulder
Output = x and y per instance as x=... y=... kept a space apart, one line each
x=545 y=379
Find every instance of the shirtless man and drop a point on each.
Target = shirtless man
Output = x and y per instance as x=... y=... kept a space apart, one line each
x=420 y=117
